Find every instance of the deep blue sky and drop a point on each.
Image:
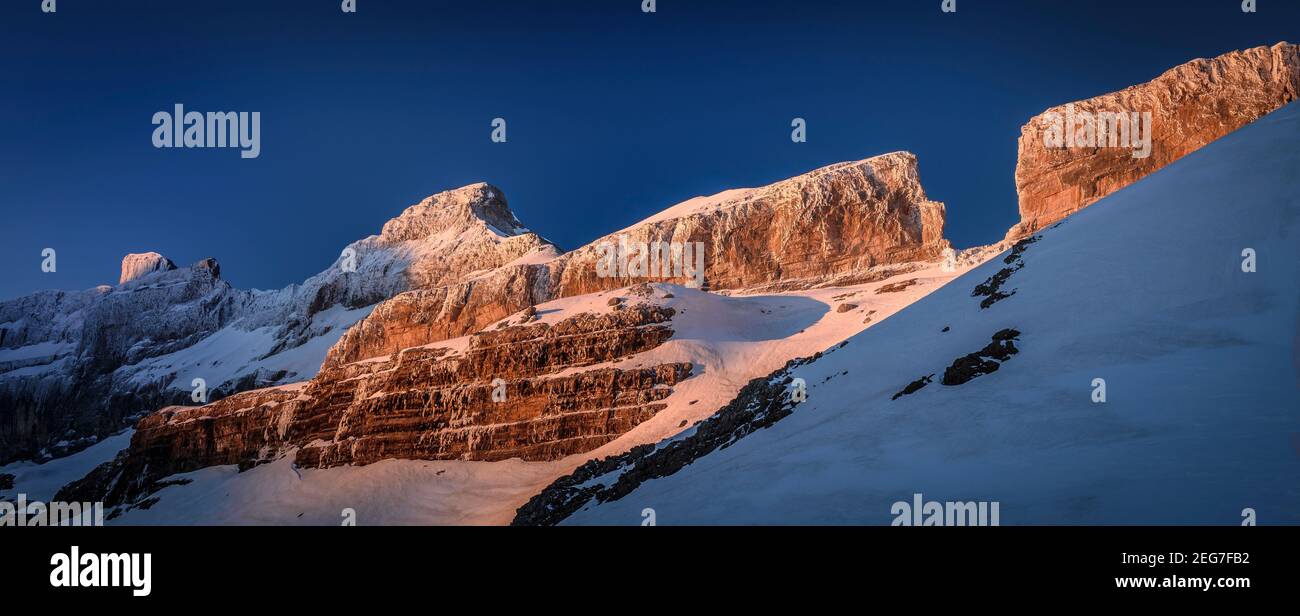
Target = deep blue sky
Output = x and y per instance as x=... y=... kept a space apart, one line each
x=613 y=114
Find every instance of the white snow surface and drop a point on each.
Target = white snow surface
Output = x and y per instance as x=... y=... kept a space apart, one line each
x=234 y=351
x=730 y=339
x=1144 y=289
x=40 y=482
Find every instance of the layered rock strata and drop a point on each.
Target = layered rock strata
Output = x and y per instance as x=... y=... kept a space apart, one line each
x=530 y=391
x=76 y=366
x=1189 y=106
x=844 y=224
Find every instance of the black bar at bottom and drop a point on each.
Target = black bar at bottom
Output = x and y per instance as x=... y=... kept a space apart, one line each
x=237 y=565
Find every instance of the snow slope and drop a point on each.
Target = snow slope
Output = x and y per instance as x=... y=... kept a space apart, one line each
x=1143 y=289
x=730 y=339
x=40 y=482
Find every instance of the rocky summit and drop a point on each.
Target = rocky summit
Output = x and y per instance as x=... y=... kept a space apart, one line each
x=843 y=224
x=416 y=376
x=458 y=335
x=833 y=225
x=76 y=366
x=1189 y=105
x=136 y=265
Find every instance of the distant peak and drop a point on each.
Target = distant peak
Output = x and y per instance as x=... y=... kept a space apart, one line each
x=208 y=266
x=458 y=209
x=136 y=265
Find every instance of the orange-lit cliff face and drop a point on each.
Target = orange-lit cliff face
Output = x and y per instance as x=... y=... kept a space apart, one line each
x=1189 y=106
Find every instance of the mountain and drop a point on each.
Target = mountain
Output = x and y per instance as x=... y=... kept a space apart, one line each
x=1189 y=105
x=987 y=390
x=587 y=365
x=485 y=376
x=136 y=265
x=838 y=225
x=77 y=366
x=843 y=224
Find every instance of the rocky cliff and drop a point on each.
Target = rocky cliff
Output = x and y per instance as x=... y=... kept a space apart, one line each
x=137 y=265
x=77 y=366
x=62 y=390
x=530 y=390
x=414 y=378
x=1189 y=106
x=838 y=223
x=843 y=224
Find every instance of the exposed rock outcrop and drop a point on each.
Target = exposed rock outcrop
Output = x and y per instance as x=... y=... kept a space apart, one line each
x=136 y=265
x=459 y=261
x=913 y=387
x=426 y=316
x=67 y=389
x=848 y=223
x=77 y=366
x=838 y=223
x=983 y=361
x=1190 y=106
x=991 y=289
x=760 y=404
x=530 y=391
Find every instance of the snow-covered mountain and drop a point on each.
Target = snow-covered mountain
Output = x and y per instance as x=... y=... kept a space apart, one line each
x=726 y=340
x=991 y=388
x=840 y=225
x=77 y=366
x=456 y=368
x=593 y=367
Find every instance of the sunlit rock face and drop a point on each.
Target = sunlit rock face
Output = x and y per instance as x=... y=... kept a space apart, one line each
x=76 y=366
x=416 y=377
x=1189 y=106
x=837 y=222
x=843 y=224
x=534 y=391
x=136 y=265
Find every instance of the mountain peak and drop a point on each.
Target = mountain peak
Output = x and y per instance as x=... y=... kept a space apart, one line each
x=903 y=164
x=136 y=265
x=1186 y=105
x=456 y=211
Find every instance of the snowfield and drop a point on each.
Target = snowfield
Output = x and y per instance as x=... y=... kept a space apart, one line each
x=40 y=482
x=1143 y=289
x=730 y=339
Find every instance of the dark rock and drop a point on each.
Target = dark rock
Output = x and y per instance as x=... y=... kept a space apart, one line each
x=760 y=404
x=981 y=362
x=913 y=387
x=991 y=289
